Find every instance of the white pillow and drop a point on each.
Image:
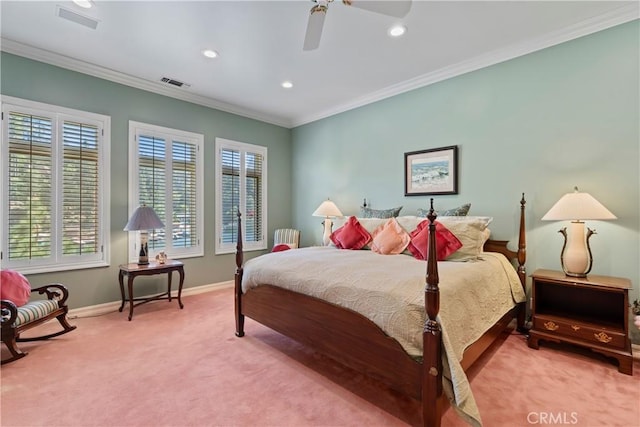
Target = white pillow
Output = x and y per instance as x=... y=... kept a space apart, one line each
x=471 y=231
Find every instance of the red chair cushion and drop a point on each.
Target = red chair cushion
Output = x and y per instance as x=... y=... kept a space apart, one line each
x=281 y=247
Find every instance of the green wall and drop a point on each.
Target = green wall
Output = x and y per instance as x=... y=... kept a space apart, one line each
x=37 y=81
x=539 y=124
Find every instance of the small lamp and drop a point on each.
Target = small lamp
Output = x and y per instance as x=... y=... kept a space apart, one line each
x=327 y=209
x=576 y=256
x=143 y=219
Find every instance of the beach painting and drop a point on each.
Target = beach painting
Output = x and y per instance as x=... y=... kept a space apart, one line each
x=431 y=171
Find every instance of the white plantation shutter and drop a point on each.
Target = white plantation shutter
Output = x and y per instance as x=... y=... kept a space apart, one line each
x=230 y=194
x=241 y=187
x=166 y=170
x=184 y=197
x=80 y=176
x=54 y=188
x=152 y=183
x=30 y=179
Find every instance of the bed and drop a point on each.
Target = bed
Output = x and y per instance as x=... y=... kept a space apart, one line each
x=422 y=367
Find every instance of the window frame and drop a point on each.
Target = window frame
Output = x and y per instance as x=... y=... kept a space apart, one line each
x=169 y=135
x=243 y=148
x=58 y=115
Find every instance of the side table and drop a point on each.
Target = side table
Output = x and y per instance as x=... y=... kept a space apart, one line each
x=133 y=270
x=591 y=312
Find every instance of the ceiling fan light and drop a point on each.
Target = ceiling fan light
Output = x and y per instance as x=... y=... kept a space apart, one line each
x=397 y=30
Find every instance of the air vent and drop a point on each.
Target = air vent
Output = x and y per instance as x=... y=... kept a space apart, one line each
x=174 y=82
x=77 y=18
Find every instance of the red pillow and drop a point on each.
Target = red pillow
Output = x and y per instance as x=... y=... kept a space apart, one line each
x=446 y=242
x=14 y=287
x=281 y=247
x=351 y=235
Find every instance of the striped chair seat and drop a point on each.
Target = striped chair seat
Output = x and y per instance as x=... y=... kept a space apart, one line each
x=35 y=310
x=287 y=236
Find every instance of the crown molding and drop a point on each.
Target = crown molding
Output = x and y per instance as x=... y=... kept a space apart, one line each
x=607 y=20
x=62 y=61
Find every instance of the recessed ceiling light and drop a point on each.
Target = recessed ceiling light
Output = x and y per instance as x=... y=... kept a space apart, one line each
x=83 y=3
x=287 y=85
x=210 y=53
x=397 y=30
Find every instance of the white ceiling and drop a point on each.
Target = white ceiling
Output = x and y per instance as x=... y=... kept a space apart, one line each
x=260 y=45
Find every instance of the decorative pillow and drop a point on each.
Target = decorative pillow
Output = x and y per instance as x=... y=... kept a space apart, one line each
x=446 y=242
x=459 y=211
x=366 y=212
x=390 y=238
x=14 y=287
x=281 y=247
x=351 y=235
x=471 y=231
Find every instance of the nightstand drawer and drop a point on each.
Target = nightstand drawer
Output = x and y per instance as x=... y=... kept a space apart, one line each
x=601 y=336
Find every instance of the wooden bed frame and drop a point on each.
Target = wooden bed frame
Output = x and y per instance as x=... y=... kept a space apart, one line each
x=358 y=343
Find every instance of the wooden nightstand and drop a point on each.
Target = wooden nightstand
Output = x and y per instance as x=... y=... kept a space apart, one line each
x=592 y=312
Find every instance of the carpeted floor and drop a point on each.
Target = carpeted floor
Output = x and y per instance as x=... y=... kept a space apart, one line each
x=171 y=367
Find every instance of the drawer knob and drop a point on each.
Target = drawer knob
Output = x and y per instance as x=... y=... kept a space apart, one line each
x=602 y=337
x=575 y=327
x=551 y=326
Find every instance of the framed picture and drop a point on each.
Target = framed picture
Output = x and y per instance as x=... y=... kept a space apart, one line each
x=432 y=171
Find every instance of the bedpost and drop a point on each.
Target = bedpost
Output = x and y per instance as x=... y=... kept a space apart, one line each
x=432 y=337
x=522 y=258
x=238 y=281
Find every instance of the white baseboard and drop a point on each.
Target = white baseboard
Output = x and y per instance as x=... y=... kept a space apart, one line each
x=109 y=307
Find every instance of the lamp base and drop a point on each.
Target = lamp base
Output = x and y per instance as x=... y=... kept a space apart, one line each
x=568 y=274
x=326 y=237
x=576 y=256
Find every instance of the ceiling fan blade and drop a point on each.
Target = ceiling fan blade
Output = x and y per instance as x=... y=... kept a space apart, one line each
x=314 y=27
x=397 y=8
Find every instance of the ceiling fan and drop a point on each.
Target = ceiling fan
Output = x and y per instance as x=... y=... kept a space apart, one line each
x=397 y=8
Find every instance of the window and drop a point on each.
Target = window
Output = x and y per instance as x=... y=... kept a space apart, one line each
x=166 y=173
x=55 y=187
x=241 y=176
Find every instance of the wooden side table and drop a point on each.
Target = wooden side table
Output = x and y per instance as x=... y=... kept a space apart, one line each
x=591 y=312
x=133 y=270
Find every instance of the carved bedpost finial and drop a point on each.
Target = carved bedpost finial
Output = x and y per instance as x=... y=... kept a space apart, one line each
x=432 y=212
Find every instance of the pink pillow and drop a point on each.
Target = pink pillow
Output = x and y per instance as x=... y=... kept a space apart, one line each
x=14 y=287
x=351 y=235
x=390 y=238
x=446 y=242
x=281 y=247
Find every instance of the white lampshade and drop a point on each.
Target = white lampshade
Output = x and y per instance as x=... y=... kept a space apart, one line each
x=143 y=218
x=577 y=206
x=576 y=258
x=327 y=209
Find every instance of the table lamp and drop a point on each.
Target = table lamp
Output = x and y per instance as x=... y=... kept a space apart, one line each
x=327 y=209
x=576 y=255
x=143 y=219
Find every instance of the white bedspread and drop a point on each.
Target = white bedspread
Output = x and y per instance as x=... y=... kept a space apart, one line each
x=389 y=290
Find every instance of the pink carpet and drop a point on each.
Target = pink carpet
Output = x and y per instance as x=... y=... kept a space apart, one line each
x=172 y=367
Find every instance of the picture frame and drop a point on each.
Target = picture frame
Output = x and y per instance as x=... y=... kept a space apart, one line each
x=433 y=171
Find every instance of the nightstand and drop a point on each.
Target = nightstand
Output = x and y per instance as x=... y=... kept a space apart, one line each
x=592 y=312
